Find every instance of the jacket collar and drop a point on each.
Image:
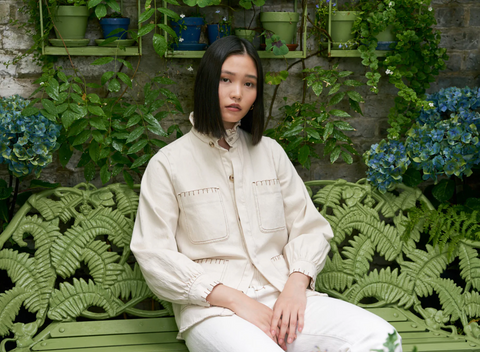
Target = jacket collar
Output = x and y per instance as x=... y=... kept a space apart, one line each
x=231 y=134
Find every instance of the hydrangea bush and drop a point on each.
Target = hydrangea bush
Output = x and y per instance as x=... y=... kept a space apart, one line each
x=444 y=140
x=26 y=142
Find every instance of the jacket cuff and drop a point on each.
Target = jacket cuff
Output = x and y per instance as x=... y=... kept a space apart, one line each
x=199 y=288
x=306 y=268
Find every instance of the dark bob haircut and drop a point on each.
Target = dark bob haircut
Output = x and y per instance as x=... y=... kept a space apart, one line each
x=207 y=115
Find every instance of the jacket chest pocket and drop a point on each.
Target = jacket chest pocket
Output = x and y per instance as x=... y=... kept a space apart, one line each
x=269 y=204
x=204 y=217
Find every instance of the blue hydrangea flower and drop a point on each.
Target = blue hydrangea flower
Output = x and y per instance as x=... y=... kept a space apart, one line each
x=26 y=142
x=444 y=140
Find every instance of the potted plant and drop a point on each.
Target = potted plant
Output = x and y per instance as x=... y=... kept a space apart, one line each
x=188 y=31
x=246 y=32
x=70 y=18
x=115 y=25
x=282 y=24
x=220 y=28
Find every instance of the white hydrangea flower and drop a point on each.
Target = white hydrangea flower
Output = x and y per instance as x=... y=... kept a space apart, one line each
x=389 y=72
x=224 y=18
x=181 y=40
x=390 y=3
x=431 y=105
x=190 y=68
x=430 y=8
x=42 y=83
x=218 y=11
x=182 y=16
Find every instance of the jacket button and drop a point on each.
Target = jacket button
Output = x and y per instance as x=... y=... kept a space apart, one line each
x=211 y=144
x=231 y=178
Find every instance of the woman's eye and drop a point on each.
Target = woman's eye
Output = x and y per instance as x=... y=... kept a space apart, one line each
x=250 y=84
x=224 y=79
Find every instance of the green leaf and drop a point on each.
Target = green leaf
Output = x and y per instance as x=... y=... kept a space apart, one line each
x=355 y=96
x=146 y=29
x=68 y=117
x=137 y=132
x=77 y=127
x=89 y=171
x=352 y=83
x=303 y=154
x=5 y=192
x=81 y=138
x=62 y=75
x=158 y=143
x=335 y=154
x=444 y=190
x=113 y=4
x=98 y=123
x=106 y=76
x=94 y=98
x=64 y=154
x=339 y=113
x=169 y=13
x=311 y=132
x=50 y=107
x=114 y=86
x=337 y=98
x=130 y=110
x=144 y=16
x=125 y=79
x=137 y=146
x=317 y=88
x=343 y=125
x=102 y=61
x=95 y=110
x=347 y=157
x=163 y=80
x=101 y=11
x=94 y=151
x=128 y=178
x=98 y=136
x=412 y=177
x=105 y=174
x=30 y=110
x=159 y=44
x=141 y=160
x=135 y=119
x=167 y=29
x=93 y=3
x=334 y=88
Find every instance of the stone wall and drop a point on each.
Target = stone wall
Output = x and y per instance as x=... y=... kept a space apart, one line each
x=459 y=22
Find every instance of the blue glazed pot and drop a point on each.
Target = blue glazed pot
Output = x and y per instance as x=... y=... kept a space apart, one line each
x=190 y=34
x=216 y=31
x=111 y=24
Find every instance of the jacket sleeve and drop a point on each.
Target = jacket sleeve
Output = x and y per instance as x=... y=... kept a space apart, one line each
x=169 y=274
x=309 y=232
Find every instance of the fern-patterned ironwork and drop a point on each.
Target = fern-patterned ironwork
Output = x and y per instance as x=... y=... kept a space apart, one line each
x=368 y=229
x=70 y=229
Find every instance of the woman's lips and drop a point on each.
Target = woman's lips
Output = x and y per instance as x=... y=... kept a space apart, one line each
x=233 y=108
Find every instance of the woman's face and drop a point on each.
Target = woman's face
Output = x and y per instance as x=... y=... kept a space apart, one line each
x=237 y=89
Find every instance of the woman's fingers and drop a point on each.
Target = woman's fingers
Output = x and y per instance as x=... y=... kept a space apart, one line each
x=292 y=328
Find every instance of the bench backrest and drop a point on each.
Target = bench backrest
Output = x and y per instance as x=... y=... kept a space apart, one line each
x=72 y=259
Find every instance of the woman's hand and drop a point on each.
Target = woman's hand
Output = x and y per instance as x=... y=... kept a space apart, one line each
x=245 y=307
x=289 y=309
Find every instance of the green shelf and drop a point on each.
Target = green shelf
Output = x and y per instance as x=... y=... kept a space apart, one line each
x=92 y=51
x=353 y=53
x=262 y=54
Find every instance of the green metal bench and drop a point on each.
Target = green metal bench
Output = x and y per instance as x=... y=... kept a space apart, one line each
x=67 y=255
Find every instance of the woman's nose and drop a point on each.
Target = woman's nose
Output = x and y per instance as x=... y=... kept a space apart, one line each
x=236 y=92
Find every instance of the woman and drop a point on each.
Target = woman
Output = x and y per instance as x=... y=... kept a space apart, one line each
x=227 y=232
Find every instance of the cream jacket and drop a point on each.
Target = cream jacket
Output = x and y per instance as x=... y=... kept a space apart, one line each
x=208 y=216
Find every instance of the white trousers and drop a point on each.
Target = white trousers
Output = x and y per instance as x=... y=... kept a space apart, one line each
x=331 y=325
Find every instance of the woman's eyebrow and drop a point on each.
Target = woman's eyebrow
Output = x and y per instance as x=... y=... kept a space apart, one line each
x=233 y=74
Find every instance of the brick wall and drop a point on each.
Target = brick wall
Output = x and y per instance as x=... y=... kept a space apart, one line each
x=458 y=20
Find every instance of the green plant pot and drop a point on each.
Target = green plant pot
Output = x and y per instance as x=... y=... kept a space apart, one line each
x=71 y=22
x=342 y=22
x=386 y=35
x=283 y=24
x=248 y=34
